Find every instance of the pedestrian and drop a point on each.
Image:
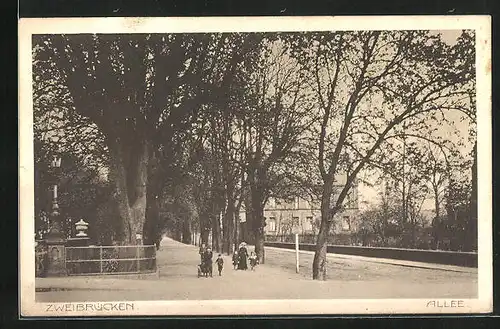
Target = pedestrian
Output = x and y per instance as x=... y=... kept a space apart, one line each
x=220 y=264
x=253 y=260
x=202 y=250
x=242 y=257
x=235 y=259
x=207 y=257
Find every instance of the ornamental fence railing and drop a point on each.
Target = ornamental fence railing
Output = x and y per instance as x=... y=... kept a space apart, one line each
x=102 y=260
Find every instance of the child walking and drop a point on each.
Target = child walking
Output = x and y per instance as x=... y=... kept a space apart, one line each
x=235 y=259
x=253 y=260
x=220 y=264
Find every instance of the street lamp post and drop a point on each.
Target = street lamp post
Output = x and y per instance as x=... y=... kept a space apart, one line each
x=56 y=237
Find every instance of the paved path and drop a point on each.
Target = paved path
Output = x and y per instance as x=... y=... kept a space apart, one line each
x=349 y=277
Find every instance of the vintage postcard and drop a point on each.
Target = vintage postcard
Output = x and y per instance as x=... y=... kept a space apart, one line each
x=255 y=166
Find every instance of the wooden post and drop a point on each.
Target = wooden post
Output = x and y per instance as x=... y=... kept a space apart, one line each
x=100 y=256
x=297 y=252
x=157 y=269
x=137 y=254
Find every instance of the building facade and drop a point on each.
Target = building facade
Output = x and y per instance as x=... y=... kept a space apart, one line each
x=302 y=215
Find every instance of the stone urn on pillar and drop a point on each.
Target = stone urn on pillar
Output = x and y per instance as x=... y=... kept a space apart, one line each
x=81 y=228
x=81 y=237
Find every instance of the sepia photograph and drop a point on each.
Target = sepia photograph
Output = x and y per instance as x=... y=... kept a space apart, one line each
x=253 y=166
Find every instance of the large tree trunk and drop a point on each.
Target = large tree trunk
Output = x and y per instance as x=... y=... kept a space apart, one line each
x=258 y=223
x=259 y=244
x=119 y=178
x=138 y=206
x=216 y=233
x=236 y=230
x=320 y=260
x=246 y=228
x=204 y=236
x=243 y=235
x=152 y=225
x=186 y=231
x=204 y=227
x=229 y=226
x=129 y=172
x=237 y=224
x=225 y=233
x=258 y=234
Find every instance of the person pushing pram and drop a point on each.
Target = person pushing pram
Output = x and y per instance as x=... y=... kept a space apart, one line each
x=205 y=268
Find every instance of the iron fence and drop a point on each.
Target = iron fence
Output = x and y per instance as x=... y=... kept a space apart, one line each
x=102 y=260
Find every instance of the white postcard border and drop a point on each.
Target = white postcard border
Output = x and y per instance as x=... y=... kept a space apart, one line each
x=482 y=26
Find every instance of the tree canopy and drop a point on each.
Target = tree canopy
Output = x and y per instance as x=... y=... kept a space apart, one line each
x=188 y=130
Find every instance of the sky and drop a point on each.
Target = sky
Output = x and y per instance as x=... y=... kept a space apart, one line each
x=449 y=36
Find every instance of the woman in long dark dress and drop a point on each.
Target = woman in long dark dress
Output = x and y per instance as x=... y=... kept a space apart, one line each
x=242 y=258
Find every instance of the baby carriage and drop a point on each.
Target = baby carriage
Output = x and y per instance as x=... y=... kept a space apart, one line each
x=205 y=268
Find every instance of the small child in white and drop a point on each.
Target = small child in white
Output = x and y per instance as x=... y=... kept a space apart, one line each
x=235 y=260
x=253 y=260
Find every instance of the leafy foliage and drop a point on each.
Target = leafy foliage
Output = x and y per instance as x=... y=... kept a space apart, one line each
x=182 y=130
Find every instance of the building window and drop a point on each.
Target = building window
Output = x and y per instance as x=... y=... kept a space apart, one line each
x=308 y=224
x=296 y=221
x=272 y=224
x=346 y=223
